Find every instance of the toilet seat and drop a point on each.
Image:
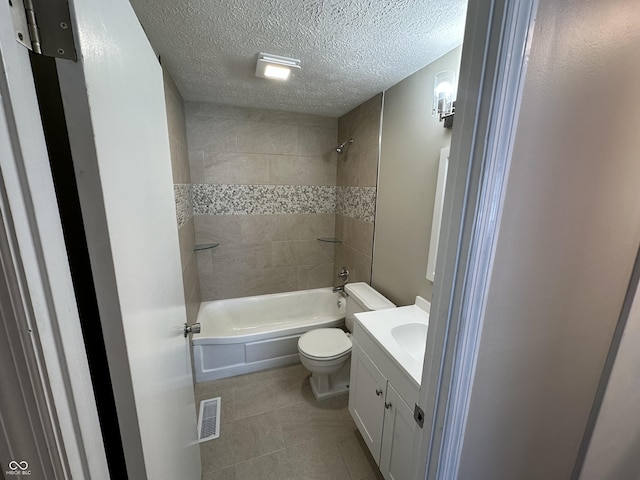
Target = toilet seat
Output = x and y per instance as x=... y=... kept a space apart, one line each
x=324 y=344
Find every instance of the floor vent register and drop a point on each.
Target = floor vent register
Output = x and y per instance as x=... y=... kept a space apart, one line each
x=209 y=419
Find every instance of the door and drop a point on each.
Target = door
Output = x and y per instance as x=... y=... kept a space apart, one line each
x=366 y=399
x=396 y=456
x=115 y=112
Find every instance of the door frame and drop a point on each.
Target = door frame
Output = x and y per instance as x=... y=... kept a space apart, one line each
x=39 y=252
x=26 y=412
x=492 y=72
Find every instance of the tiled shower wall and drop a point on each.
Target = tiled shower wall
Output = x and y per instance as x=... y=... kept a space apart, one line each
x=357 y=176
x=182 y=190
x=264 y=187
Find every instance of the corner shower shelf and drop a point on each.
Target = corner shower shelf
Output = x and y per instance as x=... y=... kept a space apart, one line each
x=330 y=240
x=204 y=246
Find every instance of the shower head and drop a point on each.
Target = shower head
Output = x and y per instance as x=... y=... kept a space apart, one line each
x=343 y=146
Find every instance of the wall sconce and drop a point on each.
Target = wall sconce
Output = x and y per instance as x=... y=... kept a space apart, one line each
x=444 y=92
x=275 y=67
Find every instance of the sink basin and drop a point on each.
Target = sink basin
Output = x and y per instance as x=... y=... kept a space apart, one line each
x=401 y=332
x=412 y=337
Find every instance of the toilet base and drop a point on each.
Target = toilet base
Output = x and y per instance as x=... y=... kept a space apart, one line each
x=332 y=385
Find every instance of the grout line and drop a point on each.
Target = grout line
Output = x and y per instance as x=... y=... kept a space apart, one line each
x=259 y=456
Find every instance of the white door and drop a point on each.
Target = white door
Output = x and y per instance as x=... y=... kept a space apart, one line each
x=115 y=111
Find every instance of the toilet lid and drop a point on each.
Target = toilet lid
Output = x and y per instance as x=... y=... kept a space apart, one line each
x=324 y=343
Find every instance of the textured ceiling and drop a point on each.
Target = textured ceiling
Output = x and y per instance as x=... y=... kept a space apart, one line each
x=350 y=50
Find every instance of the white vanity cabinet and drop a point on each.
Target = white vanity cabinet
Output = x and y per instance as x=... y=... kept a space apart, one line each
x=396 y=455
x=367 y=395
x=381 y=413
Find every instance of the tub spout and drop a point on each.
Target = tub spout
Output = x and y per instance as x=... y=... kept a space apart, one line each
x=340 y=289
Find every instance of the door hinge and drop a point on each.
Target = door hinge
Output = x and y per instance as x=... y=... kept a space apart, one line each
x=44 y=27
x=418 y=415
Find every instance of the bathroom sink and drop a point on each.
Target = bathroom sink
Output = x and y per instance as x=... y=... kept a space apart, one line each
x=401 y=332
x=412 y=337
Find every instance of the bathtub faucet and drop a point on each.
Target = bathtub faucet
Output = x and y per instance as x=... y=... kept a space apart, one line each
x=340 y=289
x=344 y=276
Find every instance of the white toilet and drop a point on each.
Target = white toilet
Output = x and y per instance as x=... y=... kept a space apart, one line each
x=326 y=352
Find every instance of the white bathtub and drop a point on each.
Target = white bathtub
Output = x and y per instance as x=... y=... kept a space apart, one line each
x=243 y=335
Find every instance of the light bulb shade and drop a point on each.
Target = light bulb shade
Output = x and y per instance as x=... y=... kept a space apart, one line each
x=277 y=72
x=444 y=93
x=275 y=67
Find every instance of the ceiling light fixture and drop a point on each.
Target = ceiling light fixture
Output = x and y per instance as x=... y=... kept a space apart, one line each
x=275 y=67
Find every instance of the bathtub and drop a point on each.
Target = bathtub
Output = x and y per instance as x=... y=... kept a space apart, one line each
x=243 y=335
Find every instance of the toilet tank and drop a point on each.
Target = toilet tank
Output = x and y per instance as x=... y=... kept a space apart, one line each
x=363 y=298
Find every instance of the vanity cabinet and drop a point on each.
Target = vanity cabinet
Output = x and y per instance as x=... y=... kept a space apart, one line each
x=381 y=414
x=396 y=455
x=367 y=395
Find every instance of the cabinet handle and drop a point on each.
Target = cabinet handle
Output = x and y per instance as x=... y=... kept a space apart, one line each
x=378 y=391
x=387 y=405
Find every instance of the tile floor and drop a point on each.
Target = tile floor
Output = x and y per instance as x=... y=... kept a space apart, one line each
x=273 y=428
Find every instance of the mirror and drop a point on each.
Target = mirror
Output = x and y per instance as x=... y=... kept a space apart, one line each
x=437 y=213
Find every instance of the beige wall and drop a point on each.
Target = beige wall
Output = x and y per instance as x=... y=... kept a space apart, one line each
x=182 y=190
x=264 y=187
x=614 y=446
x=357 y=178
x=410 y=152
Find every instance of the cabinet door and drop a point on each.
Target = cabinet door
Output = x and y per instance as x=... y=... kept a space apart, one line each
x=366 y=399
x=396 y=457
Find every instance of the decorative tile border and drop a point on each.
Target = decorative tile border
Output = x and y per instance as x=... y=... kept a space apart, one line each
x=262 y=199
x=184 y=203
x=357 y=202
x=209 y=199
